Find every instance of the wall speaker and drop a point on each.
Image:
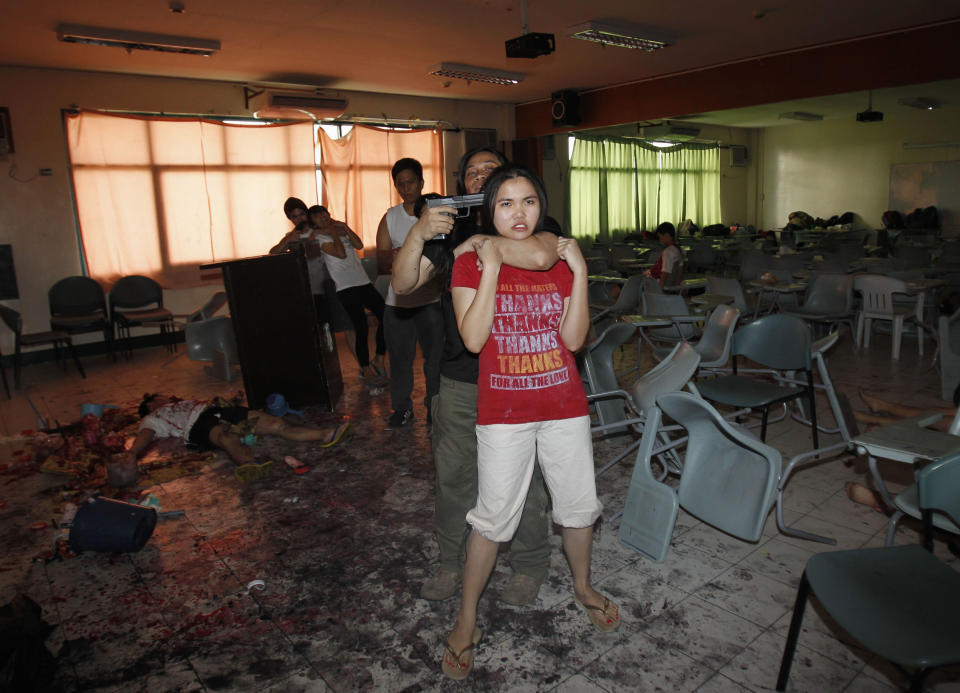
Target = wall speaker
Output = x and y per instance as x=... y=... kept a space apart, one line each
x=474 y=138
x=739 y=155
x=565 y=107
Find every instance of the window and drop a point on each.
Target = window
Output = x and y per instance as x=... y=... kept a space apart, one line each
x=355 y=171
x=624 y=184
x=161 y=196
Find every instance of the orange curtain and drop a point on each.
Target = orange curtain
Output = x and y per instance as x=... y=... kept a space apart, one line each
x=357 y=188
x=161 y=196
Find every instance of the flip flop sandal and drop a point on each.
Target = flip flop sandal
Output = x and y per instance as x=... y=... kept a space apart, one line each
x=253 y=471
x=454 y=666
x=340 y=432
x=600 y=617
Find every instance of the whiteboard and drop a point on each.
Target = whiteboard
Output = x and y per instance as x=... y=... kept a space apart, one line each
x=935 y=183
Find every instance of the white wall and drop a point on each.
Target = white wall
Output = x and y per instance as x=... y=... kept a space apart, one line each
x=835 y=166
x=36 y=213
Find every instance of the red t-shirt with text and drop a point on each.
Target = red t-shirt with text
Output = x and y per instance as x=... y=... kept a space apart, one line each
x=526 y=373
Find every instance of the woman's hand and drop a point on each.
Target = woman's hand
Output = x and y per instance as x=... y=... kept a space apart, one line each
x=569 y=251
x=488 y=255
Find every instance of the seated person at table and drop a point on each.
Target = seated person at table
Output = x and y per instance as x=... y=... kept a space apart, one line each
x=670 y=265
x=207 y=426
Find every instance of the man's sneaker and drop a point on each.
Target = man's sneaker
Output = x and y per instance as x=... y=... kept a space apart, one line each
x=400 y=418
x=442 y=585
x=521 y=590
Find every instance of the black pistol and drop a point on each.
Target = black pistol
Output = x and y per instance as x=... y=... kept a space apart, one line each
x=463 y=203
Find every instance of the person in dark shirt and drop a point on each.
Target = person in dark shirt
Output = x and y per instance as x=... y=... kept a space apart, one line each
x=454 y=408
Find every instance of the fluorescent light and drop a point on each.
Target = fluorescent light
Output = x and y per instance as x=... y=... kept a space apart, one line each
x=929 y=145
x=472 y=73
x=800 y=115
x=233 y=121
x=921 y=102
x=622 y=34
x=136 y=40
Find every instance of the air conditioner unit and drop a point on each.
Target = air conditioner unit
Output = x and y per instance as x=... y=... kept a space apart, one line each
x=668 y=132
x=277 y=104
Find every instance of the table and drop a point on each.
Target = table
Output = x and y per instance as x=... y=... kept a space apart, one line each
x=606 y=279
x=707 y=302
x=642 y=321
x=777 y=290
x=686 y=285
x=648 y=320
x=907 y=441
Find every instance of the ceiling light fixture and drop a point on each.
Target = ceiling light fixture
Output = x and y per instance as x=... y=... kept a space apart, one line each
x=472 y=73
x=136 y=40
x=800 y=115
x=922 y=102
x=617 y=33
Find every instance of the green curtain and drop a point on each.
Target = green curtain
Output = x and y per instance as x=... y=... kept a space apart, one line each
x=623 y=184
x=602 y=170
x=701 y=186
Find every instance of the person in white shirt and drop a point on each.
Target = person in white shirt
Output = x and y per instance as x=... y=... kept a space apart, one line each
x=207 y=426
x=670 y=265
x=340 y=245
x=414 y=317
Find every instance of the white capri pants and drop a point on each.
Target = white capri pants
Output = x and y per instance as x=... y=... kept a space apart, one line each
x=506 y=454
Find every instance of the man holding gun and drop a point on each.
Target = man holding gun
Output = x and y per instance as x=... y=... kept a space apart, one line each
x=423 y=257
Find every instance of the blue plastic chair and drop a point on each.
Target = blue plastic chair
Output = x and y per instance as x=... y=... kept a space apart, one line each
x=899 y=602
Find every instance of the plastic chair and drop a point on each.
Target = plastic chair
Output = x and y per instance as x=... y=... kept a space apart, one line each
x=898 y=602
x=829 y=300
x=667 y=305
x=213 y=340
x=671 y=374
x=137 y=301
x=877 y=293
x=778 y=343
x=730 y=286
x=729 y=481
x=78 y=306
x=599 y=372
x=627 y=302
x=949 y=334
x=57 y=338
x=714 y=344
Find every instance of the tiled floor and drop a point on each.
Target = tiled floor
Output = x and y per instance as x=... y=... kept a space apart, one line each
x=343 y=549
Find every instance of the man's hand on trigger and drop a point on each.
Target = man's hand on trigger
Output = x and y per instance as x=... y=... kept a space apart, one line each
x=434 y=221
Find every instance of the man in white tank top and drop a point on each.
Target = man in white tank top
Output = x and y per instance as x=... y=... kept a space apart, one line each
x=413 y=317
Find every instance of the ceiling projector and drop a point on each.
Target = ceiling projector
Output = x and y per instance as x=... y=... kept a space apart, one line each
x=530 y=45
x=869 y=116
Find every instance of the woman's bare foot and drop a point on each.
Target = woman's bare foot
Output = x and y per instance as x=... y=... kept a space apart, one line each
x=872 y=420
x=874 y=404
x=859 y=493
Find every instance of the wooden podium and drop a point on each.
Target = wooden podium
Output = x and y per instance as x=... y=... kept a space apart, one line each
x=283 y=345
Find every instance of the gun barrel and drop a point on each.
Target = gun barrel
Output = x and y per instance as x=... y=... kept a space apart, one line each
x=458 y=201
